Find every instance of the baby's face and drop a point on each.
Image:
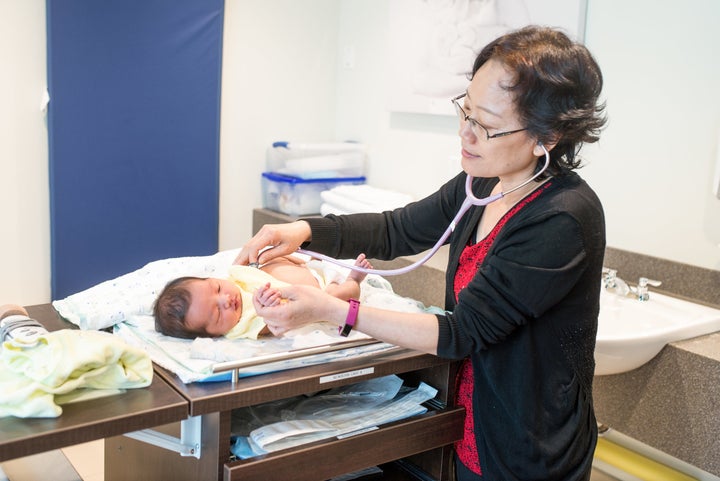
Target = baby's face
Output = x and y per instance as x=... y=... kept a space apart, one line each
x=216 y=306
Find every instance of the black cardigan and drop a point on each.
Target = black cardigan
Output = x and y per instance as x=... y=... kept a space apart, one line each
x=528 y=319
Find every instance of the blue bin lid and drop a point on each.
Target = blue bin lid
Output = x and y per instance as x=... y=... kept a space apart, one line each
x=289 y=179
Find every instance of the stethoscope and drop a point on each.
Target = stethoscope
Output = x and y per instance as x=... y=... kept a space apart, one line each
x=470 y=200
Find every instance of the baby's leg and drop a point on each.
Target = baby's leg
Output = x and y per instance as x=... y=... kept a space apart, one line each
x=361 y=261
x=350 y=288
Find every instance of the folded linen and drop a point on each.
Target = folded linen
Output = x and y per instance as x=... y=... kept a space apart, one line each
x=364 y=198
x=326 y=209
x=33 y=378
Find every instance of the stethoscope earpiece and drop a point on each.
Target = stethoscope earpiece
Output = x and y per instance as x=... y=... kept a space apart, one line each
x=486 y=200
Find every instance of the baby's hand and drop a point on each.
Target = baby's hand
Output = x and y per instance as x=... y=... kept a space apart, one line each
x=268 y=296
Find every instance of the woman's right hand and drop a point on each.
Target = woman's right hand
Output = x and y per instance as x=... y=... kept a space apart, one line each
x=282 y=239
x=291 y=307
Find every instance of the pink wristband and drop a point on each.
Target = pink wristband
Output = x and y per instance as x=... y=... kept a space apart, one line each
x=351 y=318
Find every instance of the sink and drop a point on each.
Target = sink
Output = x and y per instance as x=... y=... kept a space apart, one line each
x=631 y=332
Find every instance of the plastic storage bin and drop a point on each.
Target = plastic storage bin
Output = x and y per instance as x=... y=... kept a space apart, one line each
x=317 y=160
x=295 y=196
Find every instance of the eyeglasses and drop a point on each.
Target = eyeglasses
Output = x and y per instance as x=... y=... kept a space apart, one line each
x=475 y=126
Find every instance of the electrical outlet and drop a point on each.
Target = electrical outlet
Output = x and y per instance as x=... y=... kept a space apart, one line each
x=716 y=177
x=348 y=57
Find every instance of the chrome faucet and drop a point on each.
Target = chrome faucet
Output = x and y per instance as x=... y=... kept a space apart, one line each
x=641 y=291
x=612 y=283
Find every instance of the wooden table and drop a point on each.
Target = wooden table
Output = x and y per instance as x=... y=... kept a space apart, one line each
x=167 y=402
x=86 y=421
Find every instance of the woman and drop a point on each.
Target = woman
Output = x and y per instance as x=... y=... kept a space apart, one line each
x=523 y=276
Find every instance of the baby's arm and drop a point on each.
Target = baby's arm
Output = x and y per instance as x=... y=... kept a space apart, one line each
x=350 y=288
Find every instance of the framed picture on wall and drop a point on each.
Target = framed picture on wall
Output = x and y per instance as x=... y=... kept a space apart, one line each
x=433 y=43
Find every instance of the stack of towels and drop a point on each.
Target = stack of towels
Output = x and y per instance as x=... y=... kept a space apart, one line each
x=351 y=199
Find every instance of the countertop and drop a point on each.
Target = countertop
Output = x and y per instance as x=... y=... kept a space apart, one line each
x=671 y=403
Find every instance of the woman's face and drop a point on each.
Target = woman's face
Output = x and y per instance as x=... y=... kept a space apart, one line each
x=513 y=157
x=215 y=307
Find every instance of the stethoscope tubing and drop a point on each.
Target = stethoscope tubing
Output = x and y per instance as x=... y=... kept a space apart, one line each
x=470 y=201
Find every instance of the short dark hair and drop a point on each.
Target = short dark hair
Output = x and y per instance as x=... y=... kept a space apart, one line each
x=171 y=307
x=556 y=87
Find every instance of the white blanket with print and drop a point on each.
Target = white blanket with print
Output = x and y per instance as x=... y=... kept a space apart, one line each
x=126 y=304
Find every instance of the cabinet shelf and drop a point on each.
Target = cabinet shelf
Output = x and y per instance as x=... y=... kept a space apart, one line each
x=325 y=459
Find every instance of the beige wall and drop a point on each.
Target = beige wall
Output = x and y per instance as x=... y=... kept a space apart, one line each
x=24 y=210
x=653 y=167
x=278 y=84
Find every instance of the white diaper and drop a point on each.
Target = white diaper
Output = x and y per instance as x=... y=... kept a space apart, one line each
x=326 y=273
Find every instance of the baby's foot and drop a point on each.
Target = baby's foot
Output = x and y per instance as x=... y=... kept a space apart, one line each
x=361 y=261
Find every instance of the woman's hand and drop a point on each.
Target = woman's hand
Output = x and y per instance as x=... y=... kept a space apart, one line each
x=283 y=239
x=294 y=306
x=291 y=307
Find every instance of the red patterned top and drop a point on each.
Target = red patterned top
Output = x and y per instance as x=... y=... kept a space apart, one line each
x=470 y=261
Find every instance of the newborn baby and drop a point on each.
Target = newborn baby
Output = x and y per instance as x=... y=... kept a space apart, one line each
x=190 y=307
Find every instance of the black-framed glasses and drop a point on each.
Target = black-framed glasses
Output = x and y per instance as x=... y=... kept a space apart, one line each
x=477 y=128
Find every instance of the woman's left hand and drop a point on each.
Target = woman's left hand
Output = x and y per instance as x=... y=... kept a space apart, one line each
x=295 y=306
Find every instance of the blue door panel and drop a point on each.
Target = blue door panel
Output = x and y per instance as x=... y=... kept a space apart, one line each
x=134 y=134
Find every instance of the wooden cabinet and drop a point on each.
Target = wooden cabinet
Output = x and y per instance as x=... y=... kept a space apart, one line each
x=424 y=437
x=327 y=459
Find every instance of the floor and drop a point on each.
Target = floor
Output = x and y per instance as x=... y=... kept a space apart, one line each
x=86 y=463
x=83 y=462
x=88 y=460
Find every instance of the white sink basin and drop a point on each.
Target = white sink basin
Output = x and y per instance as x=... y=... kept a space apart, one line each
x=631 y=332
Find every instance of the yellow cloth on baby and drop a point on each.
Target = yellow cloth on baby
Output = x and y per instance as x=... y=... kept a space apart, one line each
x=248 y=279
x=61 y=362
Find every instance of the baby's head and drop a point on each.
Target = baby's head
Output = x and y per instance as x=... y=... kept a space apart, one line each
x=190 y=307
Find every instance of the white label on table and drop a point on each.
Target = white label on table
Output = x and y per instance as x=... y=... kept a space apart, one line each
x=347 y=375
